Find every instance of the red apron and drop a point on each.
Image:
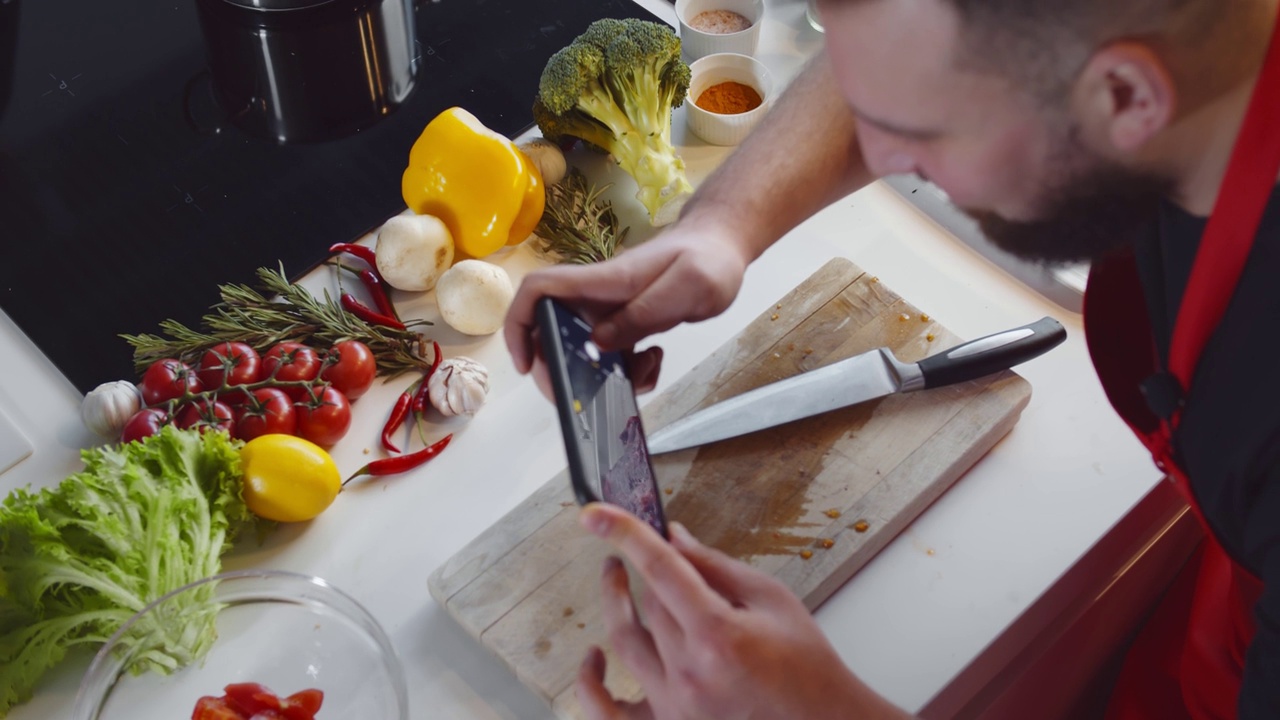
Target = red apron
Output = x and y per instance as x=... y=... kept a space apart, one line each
x=1189 y=659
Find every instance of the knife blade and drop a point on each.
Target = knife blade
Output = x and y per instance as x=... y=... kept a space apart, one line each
x=864 y=377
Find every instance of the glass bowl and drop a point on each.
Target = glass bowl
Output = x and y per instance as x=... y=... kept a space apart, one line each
x=286 y=631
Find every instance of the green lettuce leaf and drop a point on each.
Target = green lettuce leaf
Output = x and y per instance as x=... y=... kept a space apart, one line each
x=78 y=560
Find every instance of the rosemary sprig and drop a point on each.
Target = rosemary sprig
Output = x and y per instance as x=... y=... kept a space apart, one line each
x=281 y=311
x=576 y=225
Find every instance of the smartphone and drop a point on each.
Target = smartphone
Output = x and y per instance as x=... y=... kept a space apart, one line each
x=603 y=435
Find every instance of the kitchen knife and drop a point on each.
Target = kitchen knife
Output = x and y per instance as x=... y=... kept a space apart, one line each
x=872 y=374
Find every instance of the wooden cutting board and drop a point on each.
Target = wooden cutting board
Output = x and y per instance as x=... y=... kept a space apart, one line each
x=527 y=588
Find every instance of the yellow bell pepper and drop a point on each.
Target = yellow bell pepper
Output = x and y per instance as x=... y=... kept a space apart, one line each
x=476 y=181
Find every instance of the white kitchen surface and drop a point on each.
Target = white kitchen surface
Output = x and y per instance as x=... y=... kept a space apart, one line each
x=925 y=609
x=14 y=445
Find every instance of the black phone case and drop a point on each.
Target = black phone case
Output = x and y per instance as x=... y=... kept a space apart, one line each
x=557 y=365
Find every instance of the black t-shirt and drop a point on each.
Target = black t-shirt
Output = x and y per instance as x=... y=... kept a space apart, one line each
x=1229 y=437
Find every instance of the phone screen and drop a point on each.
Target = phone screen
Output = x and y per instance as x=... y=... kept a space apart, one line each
x=608 y=456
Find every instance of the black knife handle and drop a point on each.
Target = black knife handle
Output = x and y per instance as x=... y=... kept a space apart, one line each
x=993 y=353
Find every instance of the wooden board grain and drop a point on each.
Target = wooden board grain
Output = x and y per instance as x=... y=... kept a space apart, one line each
x=527 y=587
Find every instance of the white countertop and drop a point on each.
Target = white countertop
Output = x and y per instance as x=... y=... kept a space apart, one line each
x=908 y=623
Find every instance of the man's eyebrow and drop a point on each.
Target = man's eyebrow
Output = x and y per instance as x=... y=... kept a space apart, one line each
x=895 y=129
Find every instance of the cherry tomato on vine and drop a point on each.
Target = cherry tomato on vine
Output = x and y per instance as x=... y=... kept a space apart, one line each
x=291 y=362
x=354 y=371
x=143 y=423
x=167 y=379
x=206 y=415
x=324 y=416
x=268 y=412
x=232 y=363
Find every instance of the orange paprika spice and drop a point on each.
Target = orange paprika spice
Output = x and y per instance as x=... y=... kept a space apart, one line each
x=729 y=98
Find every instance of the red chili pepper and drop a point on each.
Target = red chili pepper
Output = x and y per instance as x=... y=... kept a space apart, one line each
x=420 y=399
x=377 y=288
x=398 y=413
x=403 y=463
x=364 y=253
x=367 y=314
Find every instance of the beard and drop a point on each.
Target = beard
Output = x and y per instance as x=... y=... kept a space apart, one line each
x=1096 y=208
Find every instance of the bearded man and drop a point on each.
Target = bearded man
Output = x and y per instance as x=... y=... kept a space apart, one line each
x=1141 y=135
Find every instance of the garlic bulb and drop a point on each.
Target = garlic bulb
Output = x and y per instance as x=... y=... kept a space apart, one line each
x=109 y=406
x=458 y=386
x=547 y=157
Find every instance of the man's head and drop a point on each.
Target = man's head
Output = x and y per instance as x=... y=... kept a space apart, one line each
x=1053 y=122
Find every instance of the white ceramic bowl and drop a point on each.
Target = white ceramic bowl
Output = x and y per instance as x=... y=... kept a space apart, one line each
x=720 y=129
x=696 y=44
x=286 y=631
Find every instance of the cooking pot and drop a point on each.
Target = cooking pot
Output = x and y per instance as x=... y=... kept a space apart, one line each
x=306 y=70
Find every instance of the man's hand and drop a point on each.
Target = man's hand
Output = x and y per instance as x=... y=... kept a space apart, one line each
x=686 y=274
x=720 y=639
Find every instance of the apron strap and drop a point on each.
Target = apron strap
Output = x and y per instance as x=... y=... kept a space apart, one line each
x=1237 y=213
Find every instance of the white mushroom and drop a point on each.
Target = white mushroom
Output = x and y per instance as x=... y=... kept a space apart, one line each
x=548 y=158
x=473 y=297
x=413 y=251
x=458 y=386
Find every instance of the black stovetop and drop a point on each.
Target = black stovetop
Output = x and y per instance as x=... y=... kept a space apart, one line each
x=116 y=212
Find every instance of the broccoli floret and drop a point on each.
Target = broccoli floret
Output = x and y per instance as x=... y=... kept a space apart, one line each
x=615 y=87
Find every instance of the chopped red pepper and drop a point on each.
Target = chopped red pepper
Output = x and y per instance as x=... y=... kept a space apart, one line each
x=252 y=701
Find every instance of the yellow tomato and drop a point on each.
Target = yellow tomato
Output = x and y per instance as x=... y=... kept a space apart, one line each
x=288 y=479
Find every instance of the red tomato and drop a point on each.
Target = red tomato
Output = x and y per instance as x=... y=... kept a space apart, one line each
x=167 y=379
x=234 y=363
x=354 y=370
x=290 y=362
x=206 y=415
x=269 y=411
x=143 y=423
x=212 y=708
x=324 y=416
x=302 y=705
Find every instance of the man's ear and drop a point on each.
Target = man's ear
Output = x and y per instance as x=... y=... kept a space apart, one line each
x=1127 y=94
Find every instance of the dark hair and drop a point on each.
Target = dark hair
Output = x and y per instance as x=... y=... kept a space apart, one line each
x=1046 y=42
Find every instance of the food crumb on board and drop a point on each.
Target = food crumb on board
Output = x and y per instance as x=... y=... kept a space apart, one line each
x=875 y=279
x=568 y=612
x=832 y=513
x=773 y=316
x=929 y=337
x=827 y=543
x=806 y=554
x=924 y=317
x=904 y=317
x=777 y=536
x=808 y=351
x=366 y=451
x=719 y=22
x=778 y=306
x=668 y=490
x=861 y=526
x=791 y=347
x=930 y=551
x=581 y=625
